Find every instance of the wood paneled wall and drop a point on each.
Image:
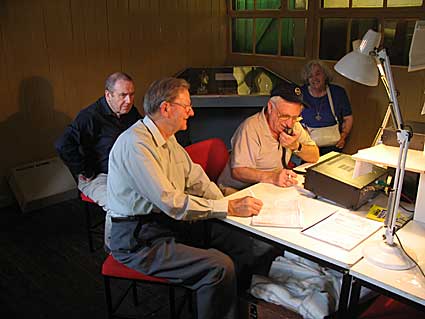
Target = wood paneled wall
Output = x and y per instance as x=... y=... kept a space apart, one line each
x=56 y=54
x=369 y=104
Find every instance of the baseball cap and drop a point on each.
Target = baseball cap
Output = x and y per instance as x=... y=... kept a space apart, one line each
x=289 y=92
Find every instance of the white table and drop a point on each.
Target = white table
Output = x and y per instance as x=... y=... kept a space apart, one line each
x=313 y=211
x=408 y=285
x=388 y=155
x=293 y=240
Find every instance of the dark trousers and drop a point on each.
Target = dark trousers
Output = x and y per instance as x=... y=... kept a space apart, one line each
x=163 y=247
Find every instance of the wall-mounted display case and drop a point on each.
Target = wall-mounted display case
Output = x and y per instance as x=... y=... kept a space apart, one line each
x=223 y=97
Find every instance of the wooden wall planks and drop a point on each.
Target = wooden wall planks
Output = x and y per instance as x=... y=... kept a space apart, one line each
x=55 y=56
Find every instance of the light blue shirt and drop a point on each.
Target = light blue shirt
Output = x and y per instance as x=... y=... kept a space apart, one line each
x=148 y=173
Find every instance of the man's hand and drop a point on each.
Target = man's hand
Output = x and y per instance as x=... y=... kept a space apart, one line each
x=81 y=177
x=289 y=141
x=285 y=178
x=244 y=207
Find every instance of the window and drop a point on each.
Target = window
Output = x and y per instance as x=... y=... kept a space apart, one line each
x=280 y=32
x=241 y=5
x=397 y=39
x=242 y=35
x=266 y=32
x=379 y=15
x=345 y=31
x=293 y=35
x=371 y=3
x=282 y=28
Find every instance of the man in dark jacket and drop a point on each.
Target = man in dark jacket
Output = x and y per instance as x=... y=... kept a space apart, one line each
x=85 y=145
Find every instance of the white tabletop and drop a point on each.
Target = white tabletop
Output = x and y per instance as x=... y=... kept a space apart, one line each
x=407 y=283
x=313 y=211
x=388 y=155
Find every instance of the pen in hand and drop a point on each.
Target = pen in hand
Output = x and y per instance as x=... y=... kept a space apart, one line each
x=251 y=193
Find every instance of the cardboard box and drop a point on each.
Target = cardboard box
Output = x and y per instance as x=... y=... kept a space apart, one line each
x=253 y=308
x=40 y=184
x=389 y=136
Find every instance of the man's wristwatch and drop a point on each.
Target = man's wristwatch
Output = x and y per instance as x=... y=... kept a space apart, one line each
x=300 y=146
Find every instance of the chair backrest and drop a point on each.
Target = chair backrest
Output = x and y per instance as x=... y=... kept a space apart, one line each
x=211 y=154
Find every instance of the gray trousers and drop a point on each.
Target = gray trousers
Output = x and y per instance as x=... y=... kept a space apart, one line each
x=153 y=248
x=96 y=190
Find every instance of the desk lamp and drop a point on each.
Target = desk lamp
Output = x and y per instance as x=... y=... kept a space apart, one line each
x=362 y=65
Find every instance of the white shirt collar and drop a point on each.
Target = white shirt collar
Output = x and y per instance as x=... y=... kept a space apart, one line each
x=157 y=136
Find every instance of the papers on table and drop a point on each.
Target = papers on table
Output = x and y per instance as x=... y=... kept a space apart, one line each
x=279 y=213
x=281 y=206
x=343 y=229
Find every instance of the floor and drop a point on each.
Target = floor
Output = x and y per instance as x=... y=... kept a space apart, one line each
x=47 y=270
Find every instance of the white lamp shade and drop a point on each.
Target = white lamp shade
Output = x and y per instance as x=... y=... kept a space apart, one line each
x=359 y=65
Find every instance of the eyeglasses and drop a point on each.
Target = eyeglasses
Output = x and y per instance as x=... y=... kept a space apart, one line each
x=187 y=108
x=285 y=117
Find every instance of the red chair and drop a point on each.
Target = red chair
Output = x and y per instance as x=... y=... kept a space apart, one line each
x=93 y=227
x=211 y=154
x=112 y=269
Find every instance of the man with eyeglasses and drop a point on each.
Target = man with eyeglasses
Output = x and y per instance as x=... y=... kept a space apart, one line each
x=85 y=145
x=158 y=199
x=263 y=144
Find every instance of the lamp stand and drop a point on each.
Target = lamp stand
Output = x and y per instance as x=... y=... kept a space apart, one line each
x=389 y=257
x=388 y=254
x=355 y=66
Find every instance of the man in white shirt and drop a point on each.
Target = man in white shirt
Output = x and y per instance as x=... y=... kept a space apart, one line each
x=263 y=144
x=154 y=188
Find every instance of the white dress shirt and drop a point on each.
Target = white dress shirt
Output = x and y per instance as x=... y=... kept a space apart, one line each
x=148 y=173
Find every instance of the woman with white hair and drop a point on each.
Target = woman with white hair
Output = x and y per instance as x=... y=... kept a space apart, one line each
x=329 y=118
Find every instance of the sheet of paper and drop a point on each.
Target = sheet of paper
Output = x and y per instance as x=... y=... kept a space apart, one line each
x=362 y=168
x=417 y=48
x=279 y=213
x=343 y=229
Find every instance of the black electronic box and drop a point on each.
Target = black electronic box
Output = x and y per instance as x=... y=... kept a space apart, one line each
x=333 y=179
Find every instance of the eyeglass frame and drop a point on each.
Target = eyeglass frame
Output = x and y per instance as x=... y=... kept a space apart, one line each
x=187 y=108
x=285 y=117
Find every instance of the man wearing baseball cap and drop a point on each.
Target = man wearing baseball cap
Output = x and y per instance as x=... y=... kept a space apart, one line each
x=263 y=144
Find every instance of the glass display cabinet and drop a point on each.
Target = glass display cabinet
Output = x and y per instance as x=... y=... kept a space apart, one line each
x=223 y=97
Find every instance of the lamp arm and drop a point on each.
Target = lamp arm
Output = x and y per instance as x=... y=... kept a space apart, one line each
x=403 y=138
x=387 y=73
x=382 y=75
x=387 y=89
x=380 y=58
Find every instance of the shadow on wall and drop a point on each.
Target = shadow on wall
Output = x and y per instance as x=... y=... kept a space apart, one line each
x=29 y=135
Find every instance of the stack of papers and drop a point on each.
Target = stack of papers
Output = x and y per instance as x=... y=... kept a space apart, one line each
x=343 y=229
x=279 y=213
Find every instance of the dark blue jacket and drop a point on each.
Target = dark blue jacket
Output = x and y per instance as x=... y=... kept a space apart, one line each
x=85 y=145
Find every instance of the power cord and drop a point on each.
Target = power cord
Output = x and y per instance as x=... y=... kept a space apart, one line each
x=414 y=261
x=406 y=209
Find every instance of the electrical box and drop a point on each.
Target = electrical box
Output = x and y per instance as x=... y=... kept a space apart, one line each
x=41 y=184
x=333 y=179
